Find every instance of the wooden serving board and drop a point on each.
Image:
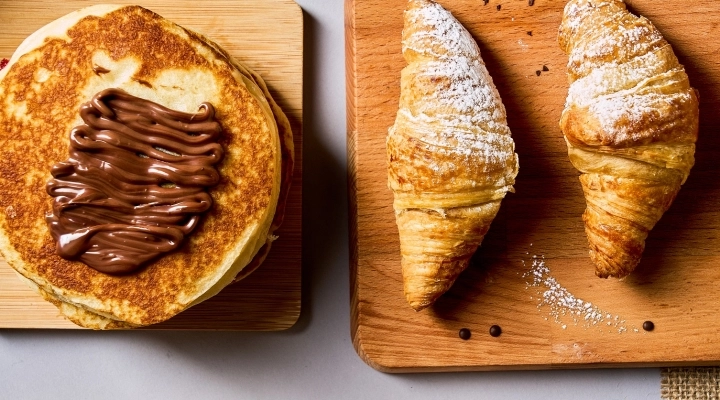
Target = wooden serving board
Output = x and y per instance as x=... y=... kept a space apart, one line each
x=266 y=35
x=675 y=286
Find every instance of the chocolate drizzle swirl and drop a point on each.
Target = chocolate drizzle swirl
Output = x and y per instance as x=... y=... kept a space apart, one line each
x=135 y=183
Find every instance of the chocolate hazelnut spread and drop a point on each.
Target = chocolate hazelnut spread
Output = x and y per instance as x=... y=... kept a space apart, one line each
x=135 y=183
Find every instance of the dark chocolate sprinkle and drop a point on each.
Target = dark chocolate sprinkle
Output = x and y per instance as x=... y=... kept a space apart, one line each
x=485 y=2
x=529 y=33
x=464 y=333
x=499 y=6
x=545 y=68
x=538 y=72
x=648 y=325
x=531 y=2
x=495 y=331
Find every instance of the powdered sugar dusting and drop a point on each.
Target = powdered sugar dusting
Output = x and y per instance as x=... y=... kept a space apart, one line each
x=614 y=77
x=598 y=30
x=614 y=58
x=563 y=307
x=623 y=114
x=623 y=43
x=454 y=104
x=522 y=45
x=443 y=28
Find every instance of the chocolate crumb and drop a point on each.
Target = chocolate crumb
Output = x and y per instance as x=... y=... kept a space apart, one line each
x=464 y=333
x=545 y=68
x=531 y=2
x=499 y=6
x=485 y=2
x=529 y=33
x=538 y=72
x=495 y=331
x=648 y=326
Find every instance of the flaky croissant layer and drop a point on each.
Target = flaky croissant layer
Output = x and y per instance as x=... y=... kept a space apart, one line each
x=630 y=122
x=450 y=155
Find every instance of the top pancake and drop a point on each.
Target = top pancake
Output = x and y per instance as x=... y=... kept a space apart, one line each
x=56 y=70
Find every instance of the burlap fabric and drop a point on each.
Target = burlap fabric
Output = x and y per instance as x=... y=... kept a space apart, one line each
x=699 y=383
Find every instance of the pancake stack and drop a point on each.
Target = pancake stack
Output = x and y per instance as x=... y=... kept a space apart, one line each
x=96 y=57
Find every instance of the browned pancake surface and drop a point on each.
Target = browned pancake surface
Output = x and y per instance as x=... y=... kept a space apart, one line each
x=32 y=141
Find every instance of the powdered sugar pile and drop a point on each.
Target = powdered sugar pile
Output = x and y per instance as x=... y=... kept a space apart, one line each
x=563 y=307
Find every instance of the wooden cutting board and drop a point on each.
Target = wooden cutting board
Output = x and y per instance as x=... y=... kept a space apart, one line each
x=266 y=35
x=675 y=286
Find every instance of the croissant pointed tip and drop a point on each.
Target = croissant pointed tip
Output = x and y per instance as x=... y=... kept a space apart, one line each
x=421 y=293
x=618 y=273
x=418 y=306
x=617 y=260
x=425 y=283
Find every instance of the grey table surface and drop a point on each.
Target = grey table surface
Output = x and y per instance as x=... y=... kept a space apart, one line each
x=313 y=360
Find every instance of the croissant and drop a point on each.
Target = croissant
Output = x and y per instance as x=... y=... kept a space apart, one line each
x=630 y=123
x=450 y=154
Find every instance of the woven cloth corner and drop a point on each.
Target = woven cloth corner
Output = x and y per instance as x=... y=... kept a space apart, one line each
x=698 y=383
